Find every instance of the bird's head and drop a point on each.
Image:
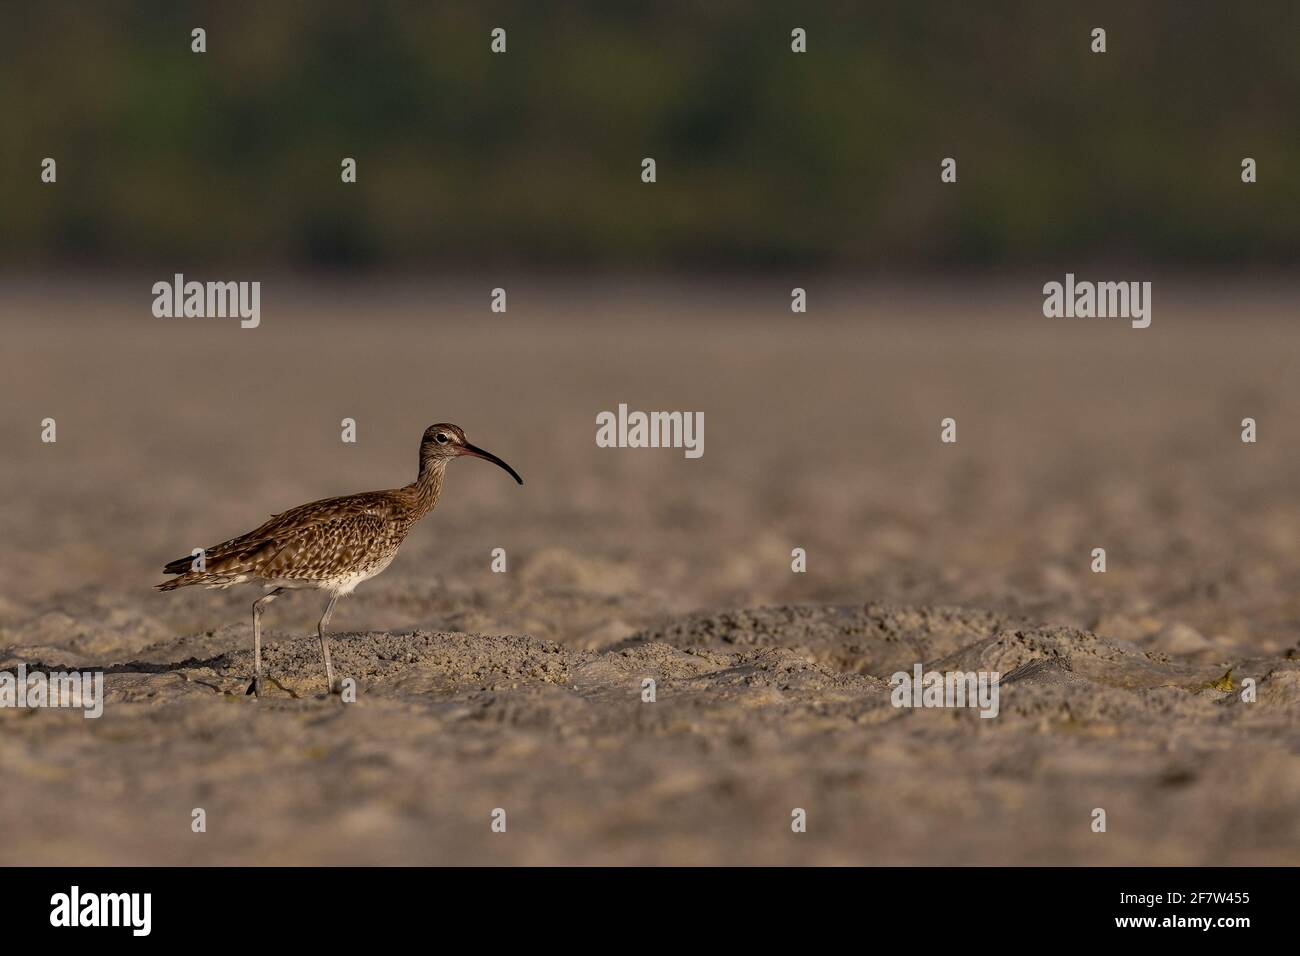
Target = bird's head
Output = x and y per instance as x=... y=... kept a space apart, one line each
x=446 y=441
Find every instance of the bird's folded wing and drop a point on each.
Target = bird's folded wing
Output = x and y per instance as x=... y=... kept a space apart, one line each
x=299 y=541
x=327 y=549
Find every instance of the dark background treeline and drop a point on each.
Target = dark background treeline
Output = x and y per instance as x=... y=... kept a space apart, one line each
x=765 y=158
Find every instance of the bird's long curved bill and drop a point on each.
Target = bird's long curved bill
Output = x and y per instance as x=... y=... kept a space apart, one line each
x=468 y=449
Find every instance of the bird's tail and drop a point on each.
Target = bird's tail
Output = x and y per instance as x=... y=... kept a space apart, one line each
x=183 y=567
x=224 y=566
x=180 y=565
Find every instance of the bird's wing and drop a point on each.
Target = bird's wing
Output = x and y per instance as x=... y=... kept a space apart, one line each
x=354 y=518
x=327 y=548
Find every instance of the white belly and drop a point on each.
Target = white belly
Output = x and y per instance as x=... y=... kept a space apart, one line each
x=347 y=584
x=344 y=584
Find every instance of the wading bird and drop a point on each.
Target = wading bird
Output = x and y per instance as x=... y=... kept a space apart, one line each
x=332 y=545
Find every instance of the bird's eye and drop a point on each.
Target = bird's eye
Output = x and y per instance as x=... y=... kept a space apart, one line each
x=441 y=438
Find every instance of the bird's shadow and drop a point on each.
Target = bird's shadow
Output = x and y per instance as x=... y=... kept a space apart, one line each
x=217 y=662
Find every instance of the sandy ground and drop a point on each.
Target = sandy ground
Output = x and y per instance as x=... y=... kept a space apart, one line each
x=522 y=690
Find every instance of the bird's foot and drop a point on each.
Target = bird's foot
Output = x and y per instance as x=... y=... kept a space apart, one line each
x=254 y=688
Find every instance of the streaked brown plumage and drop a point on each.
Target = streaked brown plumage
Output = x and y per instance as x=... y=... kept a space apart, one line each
x=333 y=544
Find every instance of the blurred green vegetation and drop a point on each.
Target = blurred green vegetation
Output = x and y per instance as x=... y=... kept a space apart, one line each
x=765 y=158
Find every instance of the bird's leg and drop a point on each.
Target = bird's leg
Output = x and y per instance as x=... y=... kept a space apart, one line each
x=255 y=688
x=325 y=644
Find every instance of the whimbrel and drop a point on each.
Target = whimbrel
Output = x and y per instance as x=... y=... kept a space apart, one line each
x=332 y=545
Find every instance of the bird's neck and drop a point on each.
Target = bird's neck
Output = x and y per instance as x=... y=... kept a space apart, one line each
x=428 y=486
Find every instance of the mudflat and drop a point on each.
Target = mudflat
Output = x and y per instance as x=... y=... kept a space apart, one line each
x=523 y=691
